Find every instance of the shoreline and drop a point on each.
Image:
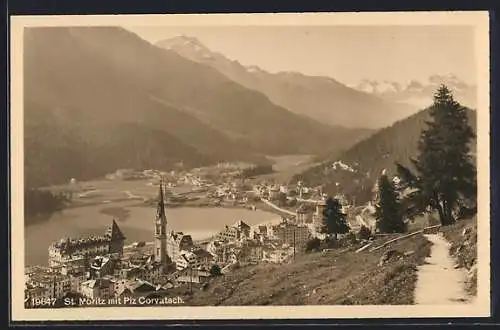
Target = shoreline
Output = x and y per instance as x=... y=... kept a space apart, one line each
x=260 y=206
x=119 y=210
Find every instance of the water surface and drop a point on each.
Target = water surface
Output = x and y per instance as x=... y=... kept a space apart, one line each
x=136 y=223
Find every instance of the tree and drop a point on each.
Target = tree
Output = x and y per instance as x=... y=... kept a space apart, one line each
x=282 y=199
x=215 y=270
x=313 y=244
x=445 y=175
x=364 y=232
x=334 y=221
x=388 y=211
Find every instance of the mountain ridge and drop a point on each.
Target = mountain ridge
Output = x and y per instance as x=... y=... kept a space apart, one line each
x=418 y=92
x=319 y=97
x=108 y=82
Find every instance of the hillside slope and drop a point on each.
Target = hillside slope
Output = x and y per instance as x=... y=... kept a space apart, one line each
x=356 y=170
x=333 y=278
x=321 y=98
x=96 y=82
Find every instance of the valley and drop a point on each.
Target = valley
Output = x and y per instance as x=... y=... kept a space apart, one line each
x=147 y=161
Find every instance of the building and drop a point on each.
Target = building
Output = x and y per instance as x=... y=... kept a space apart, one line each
x=56 y=284
x=318 y=214
x=116 y=239
x=284 y=189
x=98 y=288
x=273 y=192
x=176 y=242
x=140 y=288
x=76 y=279
x=252 y=251
x=276 y=255
x=75 y=264
x=66 y=249
x=143 y=288
x=260 y=232
x=304 y=214
x=292 y=234
x=142 y=267
x=196 y=258
x=191 y=276
x=150 y=271
x=38 y=293
x=160 y=240
x=228 y=234
x=216 y=249
x=123 y=287
x=101 y=266
x=235 y=232
x=243 y=228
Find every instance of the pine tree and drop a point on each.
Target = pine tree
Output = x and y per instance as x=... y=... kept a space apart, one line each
x=215 y=270
x=444 y=165
x=388 y=211
x=334 y=221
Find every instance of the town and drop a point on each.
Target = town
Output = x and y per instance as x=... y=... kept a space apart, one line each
x=103 y=269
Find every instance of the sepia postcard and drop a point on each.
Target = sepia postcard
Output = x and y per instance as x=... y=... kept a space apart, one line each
x=250 y=166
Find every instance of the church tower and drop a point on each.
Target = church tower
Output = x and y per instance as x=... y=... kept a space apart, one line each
x=116 y=239
x=160 y=252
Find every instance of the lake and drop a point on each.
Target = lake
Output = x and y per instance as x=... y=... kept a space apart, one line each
x=136 y=223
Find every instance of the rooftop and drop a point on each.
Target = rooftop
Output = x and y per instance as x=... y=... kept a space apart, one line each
x=114 y=232
x=100 y=283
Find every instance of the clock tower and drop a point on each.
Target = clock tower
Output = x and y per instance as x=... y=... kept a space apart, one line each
x=160 y=247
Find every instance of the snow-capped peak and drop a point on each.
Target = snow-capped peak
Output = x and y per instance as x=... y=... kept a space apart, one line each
x=419 y=93
x=253 y=69
x=183 y=42
x=377 y=87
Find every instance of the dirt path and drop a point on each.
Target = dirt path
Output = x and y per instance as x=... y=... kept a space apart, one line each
x=439 y=283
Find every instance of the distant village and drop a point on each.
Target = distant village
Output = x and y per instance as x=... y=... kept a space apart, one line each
x=103 y=267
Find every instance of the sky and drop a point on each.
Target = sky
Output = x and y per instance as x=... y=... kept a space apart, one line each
x=348 y=54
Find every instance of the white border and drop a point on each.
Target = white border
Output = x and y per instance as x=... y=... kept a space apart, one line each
x=482 y=306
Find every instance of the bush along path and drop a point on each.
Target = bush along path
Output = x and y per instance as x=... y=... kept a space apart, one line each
x=439 y=280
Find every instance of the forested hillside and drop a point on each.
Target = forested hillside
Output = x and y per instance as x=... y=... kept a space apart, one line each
x=101 y=98
x=367 y=159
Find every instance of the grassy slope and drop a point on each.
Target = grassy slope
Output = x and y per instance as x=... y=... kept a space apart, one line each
x=327 y=278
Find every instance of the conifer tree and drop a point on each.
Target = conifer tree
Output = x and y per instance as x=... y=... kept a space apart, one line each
x=444 y=164
x=215 y=270
x=388 y=211
x=445 y=172
x=334 y=221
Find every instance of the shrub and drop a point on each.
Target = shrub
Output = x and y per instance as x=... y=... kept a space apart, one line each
x=351 y=237
x=313 y=245
x=215 y=270
x=364 y=233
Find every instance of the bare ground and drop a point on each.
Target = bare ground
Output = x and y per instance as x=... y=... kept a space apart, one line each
x=439 y=282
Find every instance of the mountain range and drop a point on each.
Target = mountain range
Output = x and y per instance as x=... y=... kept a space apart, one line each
x=321 y=98
x=419 y=93
x=101 y=98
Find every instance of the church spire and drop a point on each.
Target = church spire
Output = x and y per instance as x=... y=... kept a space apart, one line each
x=160 y=252
x=160 y=212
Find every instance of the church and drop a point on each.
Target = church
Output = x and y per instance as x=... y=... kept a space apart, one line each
x=160 y=233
